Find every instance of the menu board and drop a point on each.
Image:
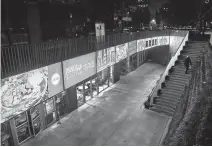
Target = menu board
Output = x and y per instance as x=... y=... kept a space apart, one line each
x=121 y=52
x=23 y=91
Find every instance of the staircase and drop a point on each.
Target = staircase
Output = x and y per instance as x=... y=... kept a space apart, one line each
x=173 y=89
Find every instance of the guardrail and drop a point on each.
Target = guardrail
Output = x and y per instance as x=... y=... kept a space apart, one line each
x=163 y=75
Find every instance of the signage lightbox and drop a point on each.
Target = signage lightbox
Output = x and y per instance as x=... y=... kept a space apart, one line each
x=132 y=47
x=79 y=69
x=121 y=52
x=141 y=45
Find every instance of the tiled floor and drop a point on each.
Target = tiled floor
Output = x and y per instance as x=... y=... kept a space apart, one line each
x=116 y=117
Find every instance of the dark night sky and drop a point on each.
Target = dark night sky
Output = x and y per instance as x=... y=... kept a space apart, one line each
x=154 y=5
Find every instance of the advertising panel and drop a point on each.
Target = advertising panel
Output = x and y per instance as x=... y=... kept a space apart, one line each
x=163 y=40
x=78 y=69
x=121 y=52
x=111 y=56
x=55 y=79
x=105 y=58
x=141 y=45
x=20 y=92
x=132 y=47
x=101 y=60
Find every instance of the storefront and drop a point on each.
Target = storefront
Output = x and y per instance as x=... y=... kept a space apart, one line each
x=121 y=58
x=80 y=73
x=105 y=68
x=132 y=55
x=32 y=103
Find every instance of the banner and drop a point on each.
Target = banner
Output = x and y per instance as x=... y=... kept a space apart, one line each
x=105 y=58
x=141 y=45
x=20 y=92
x=121 y=52
x=79 y=69
x=163 y=40
x=55 y=79
x=132 y=47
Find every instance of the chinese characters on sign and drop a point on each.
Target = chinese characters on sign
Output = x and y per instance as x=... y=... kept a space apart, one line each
x=105 y=58
x=141 y=45
x=121 y=52
x=78 y=69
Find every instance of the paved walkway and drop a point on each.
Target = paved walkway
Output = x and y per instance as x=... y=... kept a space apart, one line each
x=116 y=117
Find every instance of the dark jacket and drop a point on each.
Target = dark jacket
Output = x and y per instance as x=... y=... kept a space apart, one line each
x=187 y=62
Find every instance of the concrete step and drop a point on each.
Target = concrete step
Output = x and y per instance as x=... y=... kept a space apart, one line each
x=170 y=101
x=171 y=95
x=170 y=98
x=166 y=92
x=165 y=104
x=179 y=80
x=165 y=108
x=159 y=110
x=176 y=83
x=178 y=77
x=174 y=89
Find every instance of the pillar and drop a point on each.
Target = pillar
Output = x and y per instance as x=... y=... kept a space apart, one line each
x=33 y=21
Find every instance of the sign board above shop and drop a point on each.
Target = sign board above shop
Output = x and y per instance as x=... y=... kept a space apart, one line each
x=79 y=69
x=23 y=91
x=121 y=52
x=147 y=43
x=105 y=58
x=132 y=47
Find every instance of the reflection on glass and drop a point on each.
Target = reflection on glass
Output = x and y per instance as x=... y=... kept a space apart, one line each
x=37 y=126
x=34 y=112
x=124 y=70
x=94 y=86
x=87 y=92
x=20 y=119
x=111 y=80
x=80 y=97
x=49 y=106
x=6 y=136
x=101 y=82
x=105 y=76
x=23 y=133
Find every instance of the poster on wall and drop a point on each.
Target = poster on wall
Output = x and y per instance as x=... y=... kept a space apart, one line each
x=20 y=92
x=55 y=79
x=121 y=52
x=79 y=69
x=163 y=40
x=101 y=60
x=132 y=47
x=111 y=56
x=141 y=45
x=105 y=58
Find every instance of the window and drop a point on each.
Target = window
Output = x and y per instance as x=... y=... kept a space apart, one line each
x=146 y=43
x=152 y=42
x=149 y=43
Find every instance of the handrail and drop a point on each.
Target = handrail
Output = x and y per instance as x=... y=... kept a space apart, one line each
x=158 y=81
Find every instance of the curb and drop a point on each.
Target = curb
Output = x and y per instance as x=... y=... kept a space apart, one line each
x=165 y=132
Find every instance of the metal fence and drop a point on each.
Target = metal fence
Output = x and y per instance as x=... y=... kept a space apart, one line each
x=17 y=59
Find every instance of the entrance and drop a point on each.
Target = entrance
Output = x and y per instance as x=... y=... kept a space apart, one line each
x=133 y=62
x=50 y=113
x=27 y=124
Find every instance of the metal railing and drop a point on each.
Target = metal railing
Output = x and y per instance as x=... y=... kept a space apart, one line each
x=163 y=74
x=21 y=58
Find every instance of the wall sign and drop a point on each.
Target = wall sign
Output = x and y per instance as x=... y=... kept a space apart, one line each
x=163 y=40
x=79 y=69
x=132 y=47
x=105 y=58
x=121 y=52
x=55 y=80
x=141 y=45
x=20 y=92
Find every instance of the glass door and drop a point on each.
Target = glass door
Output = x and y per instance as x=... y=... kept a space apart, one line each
x=6 y=134
x=111 y=78
x=80 y=95
x=35 y=120
x=94 y=86
x=50 y=112
x=61 y=105
x=88 y=91
x=22 y=127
